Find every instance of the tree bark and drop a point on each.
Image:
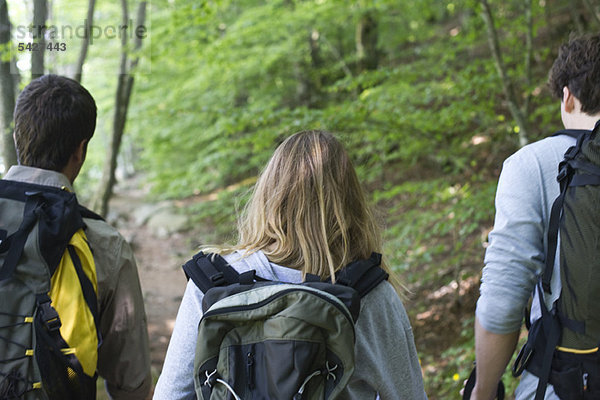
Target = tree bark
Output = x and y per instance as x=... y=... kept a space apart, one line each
x=86 y=41
x=40 y=14
x=7 y=90
x=507 y=85
x=122 y=98
x=366 y=42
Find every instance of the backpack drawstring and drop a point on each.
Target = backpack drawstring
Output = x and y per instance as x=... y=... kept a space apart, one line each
x=210 y=380
x=229 y=388
x=328 y=371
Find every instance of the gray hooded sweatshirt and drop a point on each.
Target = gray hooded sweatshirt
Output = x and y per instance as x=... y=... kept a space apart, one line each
x=386 y=358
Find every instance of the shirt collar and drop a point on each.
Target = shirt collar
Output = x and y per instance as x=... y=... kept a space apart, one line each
x=38 y=176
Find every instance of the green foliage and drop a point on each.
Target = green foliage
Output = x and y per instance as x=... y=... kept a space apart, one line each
x=427 y=127
x=247 y=74
x=420 y=108
x=435 y=227
x=425 y=121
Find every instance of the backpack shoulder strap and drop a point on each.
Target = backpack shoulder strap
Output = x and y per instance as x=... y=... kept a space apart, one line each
x=210 y=270
x=87 y=213
x=363 y=275
x=564 y=178
x=15 y=243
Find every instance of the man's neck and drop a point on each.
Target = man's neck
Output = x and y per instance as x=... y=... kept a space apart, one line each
x=582 y=121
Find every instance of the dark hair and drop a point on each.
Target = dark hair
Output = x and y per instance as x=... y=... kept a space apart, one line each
x=578 y=68
x=53 y=115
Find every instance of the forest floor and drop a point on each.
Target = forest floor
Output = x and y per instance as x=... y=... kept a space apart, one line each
x=438 y=314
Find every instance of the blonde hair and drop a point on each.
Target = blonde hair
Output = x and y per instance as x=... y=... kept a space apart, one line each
x=308 y=210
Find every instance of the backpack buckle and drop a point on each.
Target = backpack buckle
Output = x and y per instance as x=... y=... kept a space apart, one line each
x=565 y=171
x=218 y=279
x=522 y=360
x=48 y=313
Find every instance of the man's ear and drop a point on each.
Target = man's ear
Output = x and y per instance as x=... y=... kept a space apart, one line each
x=16 y=147
x=568 y=100
x=81 y=151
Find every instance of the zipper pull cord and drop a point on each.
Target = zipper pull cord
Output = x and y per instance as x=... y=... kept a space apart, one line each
x=250 y=370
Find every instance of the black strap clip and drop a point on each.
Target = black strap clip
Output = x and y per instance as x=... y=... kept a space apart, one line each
x=564 y=172
x=47 y=313
x=248 y=277
x=218 y=279
x=522 y=360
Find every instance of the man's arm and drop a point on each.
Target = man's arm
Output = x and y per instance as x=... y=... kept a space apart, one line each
x=124 y=356
x=493 y=352
x=514 y=258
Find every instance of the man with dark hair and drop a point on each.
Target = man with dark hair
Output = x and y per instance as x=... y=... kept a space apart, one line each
x=518 y=244
x=55 y=118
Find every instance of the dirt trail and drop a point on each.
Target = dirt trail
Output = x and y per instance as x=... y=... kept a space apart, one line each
x=159 y=258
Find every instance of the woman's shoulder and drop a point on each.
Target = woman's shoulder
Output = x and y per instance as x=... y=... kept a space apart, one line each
x=382 y=305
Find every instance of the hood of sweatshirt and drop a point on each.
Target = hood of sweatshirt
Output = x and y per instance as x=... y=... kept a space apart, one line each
x=264 y=268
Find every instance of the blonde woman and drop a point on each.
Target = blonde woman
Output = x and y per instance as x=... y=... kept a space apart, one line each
x=308 y=214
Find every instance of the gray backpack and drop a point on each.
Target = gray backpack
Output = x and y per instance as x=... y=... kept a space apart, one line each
x=41 y=233
x=261 y=339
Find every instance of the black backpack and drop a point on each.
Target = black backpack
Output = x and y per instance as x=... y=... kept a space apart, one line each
x=562 y=347
x=259 y=339
x=44 y=252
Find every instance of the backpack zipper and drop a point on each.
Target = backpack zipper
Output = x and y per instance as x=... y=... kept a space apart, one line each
x=327 y=297
x=250 y=368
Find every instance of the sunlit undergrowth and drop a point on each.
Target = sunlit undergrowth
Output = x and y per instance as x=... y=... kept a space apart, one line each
x=424 y=118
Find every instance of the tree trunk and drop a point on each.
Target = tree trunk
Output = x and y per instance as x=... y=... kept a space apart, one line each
x=577 y=21
x=40 y=14
x=337 y=54
x=303 y=86
x=86 y=41
x=528 y=54
x=122 y=97
x=592 y=10
x=366 y=42
x=507 y=86
x=315 y=49
x=50 y=59
x=7 y=90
